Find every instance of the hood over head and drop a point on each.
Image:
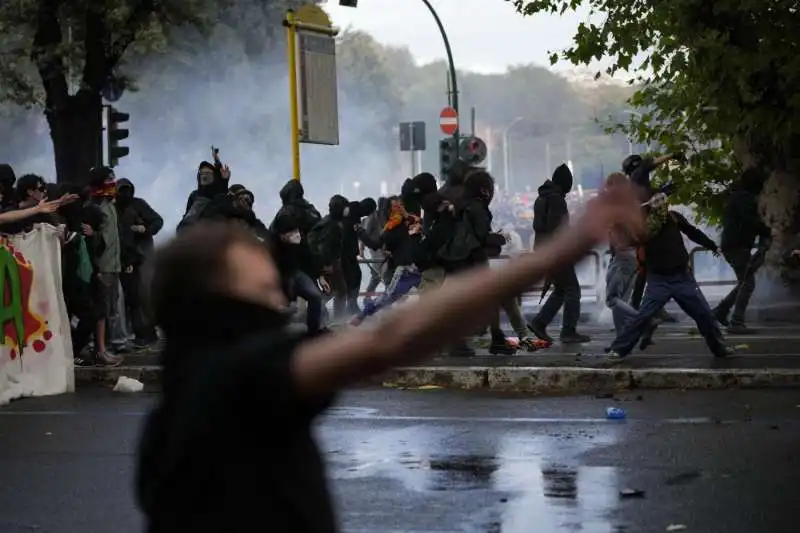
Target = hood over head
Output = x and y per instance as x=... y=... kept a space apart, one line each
x=337 y=206
x=562 y=178
x=366 y=207
x=292 y=193
x=479 y=185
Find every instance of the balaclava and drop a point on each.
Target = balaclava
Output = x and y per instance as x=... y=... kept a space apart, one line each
x=338 y=207
x=125 y=192
x=562 y=178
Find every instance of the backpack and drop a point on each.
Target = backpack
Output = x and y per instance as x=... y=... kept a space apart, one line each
x=463 y=242
x=320 y=240
x=195 y=212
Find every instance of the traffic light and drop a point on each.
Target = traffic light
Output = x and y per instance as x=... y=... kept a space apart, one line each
x=115 y=134
x=473 y=150
x=448 y=155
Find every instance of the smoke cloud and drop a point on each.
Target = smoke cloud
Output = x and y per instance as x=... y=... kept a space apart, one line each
x=184 y=105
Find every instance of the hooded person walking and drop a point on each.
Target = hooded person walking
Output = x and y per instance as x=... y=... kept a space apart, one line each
x=549 y=214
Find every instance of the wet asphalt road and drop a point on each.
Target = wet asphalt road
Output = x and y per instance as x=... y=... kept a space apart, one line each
x=450 y=462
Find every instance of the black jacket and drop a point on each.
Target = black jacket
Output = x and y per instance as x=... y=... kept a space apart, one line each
x=138 y=213
x=741 y=222
x=292 y=196
x=665 y=253
x=550 y=208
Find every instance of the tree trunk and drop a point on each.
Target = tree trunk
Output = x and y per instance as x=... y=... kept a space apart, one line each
x=76 y=131
x=778 y=203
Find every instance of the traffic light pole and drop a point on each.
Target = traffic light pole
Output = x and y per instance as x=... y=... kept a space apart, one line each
x=451 y=64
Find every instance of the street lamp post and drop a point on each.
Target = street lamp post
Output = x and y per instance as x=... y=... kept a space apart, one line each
x=506 y=154
x=451 y=64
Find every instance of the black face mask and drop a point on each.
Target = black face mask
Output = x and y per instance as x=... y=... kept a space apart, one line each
x=225 y=319
x=125 y=196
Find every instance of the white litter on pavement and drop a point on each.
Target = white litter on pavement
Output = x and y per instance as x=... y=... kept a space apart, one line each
x=126 y=384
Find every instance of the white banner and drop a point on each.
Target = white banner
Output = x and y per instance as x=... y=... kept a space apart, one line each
x=36 y=345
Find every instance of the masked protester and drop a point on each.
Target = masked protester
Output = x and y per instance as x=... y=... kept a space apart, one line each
x=201 y=453
x=301 y=276
x=212 y=181
x=293 y=199
x=325 y=241
x=741 y=226
x=138 y=224
x=103 y=192
x=550 y=213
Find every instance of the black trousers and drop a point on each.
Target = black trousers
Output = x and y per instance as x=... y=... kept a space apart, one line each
x=133 y=292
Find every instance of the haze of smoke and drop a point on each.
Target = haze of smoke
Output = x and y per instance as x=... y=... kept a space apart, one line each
x=243 y=110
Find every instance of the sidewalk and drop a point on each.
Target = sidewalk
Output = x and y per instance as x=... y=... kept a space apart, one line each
x=679 y=360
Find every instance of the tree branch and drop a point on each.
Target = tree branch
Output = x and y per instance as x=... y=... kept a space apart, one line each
x=139 y=18
x=44 y=54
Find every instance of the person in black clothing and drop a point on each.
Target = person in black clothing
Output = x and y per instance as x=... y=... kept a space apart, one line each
x=741 y=225
x=293 y=199
x=212 y=181
x=297 y=266
x=30 y=191
x=79 y=252
x=325 y=240
x=549 y=214
x=138 y=224
x=669 y=277
x=7 y=180
x=230 y=442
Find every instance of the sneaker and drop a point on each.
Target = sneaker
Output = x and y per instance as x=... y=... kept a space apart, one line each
x=741 y=329
x=720 y=317
x=573 y=337
x=540 y=330
x=614 y=355
x=529 y=344
x=726 y=351
x=501 y=346
x=84 y=362
x=108 y=359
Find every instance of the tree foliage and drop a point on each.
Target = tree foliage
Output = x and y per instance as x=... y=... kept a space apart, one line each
x=707 y=72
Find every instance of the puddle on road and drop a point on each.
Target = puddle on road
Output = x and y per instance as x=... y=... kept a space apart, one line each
x=521 y=478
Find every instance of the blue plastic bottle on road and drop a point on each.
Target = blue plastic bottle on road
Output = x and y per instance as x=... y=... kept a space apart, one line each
x=615 y=413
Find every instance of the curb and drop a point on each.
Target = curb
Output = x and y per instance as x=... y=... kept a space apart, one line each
x=533 y=380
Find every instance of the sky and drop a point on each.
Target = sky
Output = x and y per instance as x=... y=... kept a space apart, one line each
x=486 y=36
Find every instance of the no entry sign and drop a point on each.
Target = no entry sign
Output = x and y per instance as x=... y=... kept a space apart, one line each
x=448 y=121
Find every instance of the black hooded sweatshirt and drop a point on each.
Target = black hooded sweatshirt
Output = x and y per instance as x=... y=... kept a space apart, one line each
x=134 y=211
x=741 y=221
x=230 y=443
x=550 y=209
x=291 y=258
x=293 y=198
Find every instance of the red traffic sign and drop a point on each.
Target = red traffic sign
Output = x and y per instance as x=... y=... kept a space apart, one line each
x=448 y=120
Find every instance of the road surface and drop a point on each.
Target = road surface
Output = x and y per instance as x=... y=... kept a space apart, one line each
x=438 y=461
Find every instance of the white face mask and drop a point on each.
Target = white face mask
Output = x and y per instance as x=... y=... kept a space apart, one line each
x=206 y=176
x=293 y=237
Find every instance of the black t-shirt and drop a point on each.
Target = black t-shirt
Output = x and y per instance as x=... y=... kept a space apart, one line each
x=229 y=447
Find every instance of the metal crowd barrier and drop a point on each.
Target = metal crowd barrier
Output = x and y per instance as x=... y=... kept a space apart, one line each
x=600 y=266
